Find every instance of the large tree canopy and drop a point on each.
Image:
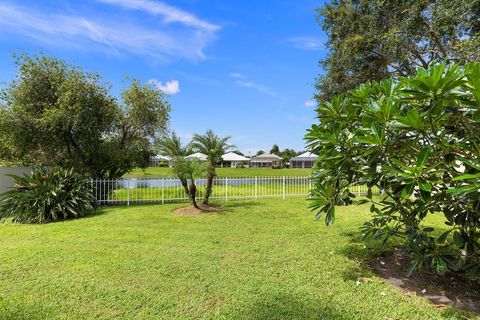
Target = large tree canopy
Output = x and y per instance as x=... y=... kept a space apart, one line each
x=53 y=113
x=377 y=39
x=416 y=139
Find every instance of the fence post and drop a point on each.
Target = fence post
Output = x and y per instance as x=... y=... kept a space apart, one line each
x=256 y=187
x=128 y=192
x=226 y=189
x=284 y=187
x=163 y=191
x=358 y=189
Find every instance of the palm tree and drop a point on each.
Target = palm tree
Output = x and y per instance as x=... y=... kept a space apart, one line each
x=172 y=146
x=189 y=169
x=214 y=147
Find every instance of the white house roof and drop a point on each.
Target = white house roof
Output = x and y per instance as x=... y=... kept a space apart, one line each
x=305 y=156
x=198 y=155
x=231 y=156
x=266 y=157
x=160 y=157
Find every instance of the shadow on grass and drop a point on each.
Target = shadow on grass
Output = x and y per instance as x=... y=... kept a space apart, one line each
x=286 y=306
x=230 y=206
x=389 y=264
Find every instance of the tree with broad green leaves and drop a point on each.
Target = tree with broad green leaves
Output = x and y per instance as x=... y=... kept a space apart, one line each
x=376 y=39
x=416 y=139
x=214 y=147
x=53 y=113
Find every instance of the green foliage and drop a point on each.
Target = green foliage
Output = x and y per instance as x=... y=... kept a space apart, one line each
x=189 y=170
x=171 y=145
x=286 y=154
x=214 y=147
x=47 y=195
x=417 y=140
x=57 y=114
x=376 y=39
x=275 y=149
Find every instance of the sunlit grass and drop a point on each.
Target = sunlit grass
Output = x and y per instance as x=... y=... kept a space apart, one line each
x=264 y=259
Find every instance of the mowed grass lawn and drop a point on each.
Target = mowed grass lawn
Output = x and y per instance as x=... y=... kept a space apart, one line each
x=224 y=172
x=256 y=260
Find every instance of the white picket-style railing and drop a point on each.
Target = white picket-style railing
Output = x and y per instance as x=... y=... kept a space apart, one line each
x=165 y=190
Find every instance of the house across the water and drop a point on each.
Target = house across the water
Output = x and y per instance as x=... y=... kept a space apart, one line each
x=266 y=160
x=233 y=160
x=305 y=160
x=198 y=155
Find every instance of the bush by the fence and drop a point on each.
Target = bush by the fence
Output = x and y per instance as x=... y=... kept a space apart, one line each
x=49 y=194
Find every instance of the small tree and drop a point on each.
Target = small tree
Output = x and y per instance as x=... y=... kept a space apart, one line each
x=171 y=145
x=214 y=147
x=417 y=140
x=189 y=170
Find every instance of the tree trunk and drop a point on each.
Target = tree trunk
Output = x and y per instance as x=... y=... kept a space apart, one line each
x=193 y=194
x=208 y=190
x=185 y=186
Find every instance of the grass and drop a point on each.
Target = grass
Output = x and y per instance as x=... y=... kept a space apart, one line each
x=257 y=260
x=225 y=172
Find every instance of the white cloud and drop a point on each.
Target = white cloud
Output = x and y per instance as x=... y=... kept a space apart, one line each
x=109 y=34
x=170 y=87
x=170 y=14
x=242 y=81
x=310 y=103
x=307 y=43
x=236 y=75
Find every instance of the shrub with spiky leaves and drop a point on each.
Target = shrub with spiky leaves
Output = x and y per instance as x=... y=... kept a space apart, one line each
x=47 y=195
x=416 y=139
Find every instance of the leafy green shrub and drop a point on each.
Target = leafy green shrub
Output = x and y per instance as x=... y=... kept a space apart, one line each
x=416 y=139
x=47 y=195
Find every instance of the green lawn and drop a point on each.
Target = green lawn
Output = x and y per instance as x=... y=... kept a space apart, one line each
x=256 y=260
x=225 y=172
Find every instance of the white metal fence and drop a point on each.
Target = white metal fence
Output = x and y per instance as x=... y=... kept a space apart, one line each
x=165 y=190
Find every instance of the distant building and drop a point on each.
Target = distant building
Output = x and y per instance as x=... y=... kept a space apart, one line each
x=200 y=156
x=305 y=160
x=158 y=160
x=265 y=160
x=233 y=160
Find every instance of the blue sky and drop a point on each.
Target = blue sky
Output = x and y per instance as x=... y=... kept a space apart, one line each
x=242 y=68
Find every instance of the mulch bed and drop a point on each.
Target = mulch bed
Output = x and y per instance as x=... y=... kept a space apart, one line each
x=192 y=211
x=448 y=290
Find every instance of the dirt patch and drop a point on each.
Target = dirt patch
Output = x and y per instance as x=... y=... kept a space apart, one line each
x=192 y=211
x=448 y=290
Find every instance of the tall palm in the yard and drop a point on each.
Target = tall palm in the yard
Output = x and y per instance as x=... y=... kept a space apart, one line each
x=214 y=147
x=171 y=146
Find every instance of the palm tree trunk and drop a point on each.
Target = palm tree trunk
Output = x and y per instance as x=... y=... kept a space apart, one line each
x=210 y=176
x=193 y=194
x=185 y=186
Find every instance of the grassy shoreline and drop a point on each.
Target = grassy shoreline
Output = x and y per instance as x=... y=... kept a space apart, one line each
x=151 y=172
